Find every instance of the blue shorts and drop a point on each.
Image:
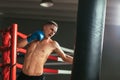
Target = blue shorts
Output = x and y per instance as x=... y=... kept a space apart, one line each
x=23 y=76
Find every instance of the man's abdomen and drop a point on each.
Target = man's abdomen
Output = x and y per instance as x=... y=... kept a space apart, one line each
x=33 y=67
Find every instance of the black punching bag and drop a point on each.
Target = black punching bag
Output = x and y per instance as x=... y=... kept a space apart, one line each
x=89 y=40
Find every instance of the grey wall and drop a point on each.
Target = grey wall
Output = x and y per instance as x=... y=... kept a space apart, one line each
x=111 y=54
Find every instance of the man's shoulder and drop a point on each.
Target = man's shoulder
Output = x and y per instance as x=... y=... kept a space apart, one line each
x=56 y=44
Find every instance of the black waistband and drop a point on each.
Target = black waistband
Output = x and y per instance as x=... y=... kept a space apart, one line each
x=41 y=76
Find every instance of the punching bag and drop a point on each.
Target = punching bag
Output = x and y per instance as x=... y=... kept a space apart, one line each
x=89 y=40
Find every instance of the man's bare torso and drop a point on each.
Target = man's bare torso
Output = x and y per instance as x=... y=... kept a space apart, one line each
x=36 y=56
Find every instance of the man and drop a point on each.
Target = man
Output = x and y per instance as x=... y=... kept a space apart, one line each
x=40 y=46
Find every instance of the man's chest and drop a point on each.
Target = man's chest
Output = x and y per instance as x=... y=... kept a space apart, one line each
x=42 y=46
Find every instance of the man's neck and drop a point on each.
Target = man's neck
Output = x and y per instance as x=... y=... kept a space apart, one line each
x=47 y=39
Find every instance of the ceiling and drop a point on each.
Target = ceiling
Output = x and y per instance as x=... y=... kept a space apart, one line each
x=65 y=10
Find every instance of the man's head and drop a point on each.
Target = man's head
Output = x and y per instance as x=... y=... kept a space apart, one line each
x=50 y=28
x=51 y=23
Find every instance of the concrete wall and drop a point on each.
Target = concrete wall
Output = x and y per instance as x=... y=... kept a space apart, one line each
x=111 y=54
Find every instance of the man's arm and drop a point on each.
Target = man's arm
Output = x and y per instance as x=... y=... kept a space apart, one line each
x=38 y=35
x=22 y=43
x=60 y=52
x=68 y=58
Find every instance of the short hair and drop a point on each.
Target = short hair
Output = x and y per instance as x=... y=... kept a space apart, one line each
x=51 y=23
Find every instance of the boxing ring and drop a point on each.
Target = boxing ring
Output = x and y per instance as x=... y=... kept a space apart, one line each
x=9 y=53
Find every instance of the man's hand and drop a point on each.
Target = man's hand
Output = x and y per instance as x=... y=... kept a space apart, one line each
x=38 y=35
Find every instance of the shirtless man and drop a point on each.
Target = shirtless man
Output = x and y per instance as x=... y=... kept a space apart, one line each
x=40 y=46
